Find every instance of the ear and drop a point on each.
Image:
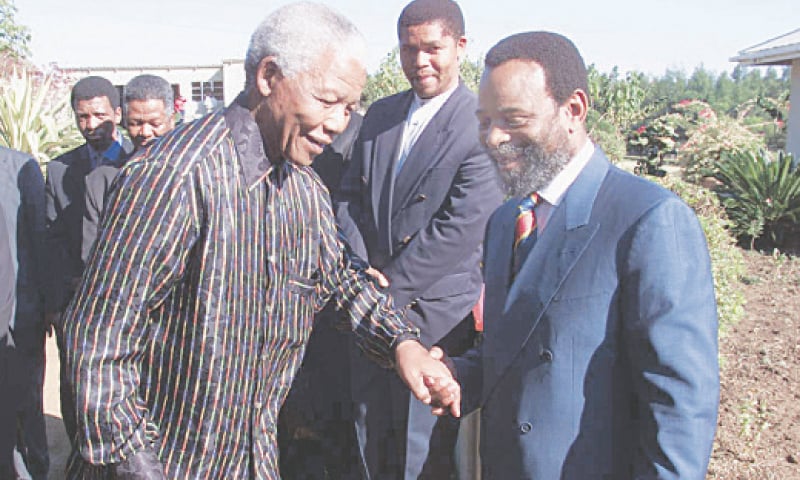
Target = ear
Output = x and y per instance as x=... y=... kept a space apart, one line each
x=576 y=108
x=267 y=75
x=118 y=116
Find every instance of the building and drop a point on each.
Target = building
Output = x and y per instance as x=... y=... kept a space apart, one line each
x=205 y=87
x=782 y=50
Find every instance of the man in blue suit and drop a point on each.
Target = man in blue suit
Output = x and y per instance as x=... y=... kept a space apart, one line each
x=414 y=204
x=599 y=358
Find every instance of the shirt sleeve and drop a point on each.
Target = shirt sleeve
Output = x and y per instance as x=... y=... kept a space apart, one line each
x=373 y=318
x=143 y=241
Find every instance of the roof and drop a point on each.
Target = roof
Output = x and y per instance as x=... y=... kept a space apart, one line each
x=777 y=51
x=152 y=67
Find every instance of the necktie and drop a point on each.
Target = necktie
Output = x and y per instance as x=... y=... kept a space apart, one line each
x=525 y=229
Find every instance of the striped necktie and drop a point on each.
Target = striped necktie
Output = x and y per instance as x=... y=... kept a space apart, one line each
x=525 y=229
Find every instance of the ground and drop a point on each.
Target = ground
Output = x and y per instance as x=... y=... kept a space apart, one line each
x=758 y=436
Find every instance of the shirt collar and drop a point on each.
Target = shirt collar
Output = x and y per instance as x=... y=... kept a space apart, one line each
x=111 y=154
x=557 y=188
x=432 y=103
x=247 y=139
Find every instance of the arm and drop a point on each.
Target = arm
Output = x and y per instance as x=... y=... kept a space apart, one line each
x=380 y=330
x=348 y=202
x=55 y=243
x=33 y=207
x=95 y=197
x=7 y=281
x=670 y=337
x=142 y=250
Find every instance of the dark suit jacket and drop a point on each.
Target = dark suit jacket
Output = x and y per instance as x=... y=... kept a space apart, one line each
x=7 y=281
x=599 y=361
x=423 y=229
x=22 y=197
x=65 y=198
x=98 y=184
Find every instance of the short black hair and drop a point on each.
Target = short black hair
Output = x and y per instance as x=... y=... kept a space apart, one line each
x=564 y=69
x=150 y=87
x=446 y=12
x=94 y=86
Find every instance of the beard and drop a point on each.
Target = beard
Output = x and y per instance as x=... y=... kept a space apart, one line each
x=536 y=167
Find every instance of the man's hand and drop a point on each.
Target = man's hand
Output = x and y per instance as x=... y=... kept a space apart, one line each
x=383 y=282
x=440 y=391
x=428 y=378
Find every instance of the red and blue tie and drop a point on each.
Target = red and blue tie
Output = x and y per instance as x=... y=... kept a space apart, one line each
x=525 y=229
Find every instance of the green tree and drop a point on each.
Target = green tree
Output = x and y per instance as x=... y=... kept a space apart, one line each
x=14 y=38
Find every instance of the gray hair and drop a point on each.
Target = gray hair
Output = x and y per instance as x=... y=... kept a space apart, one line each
x=298 y=34
x=150 y=87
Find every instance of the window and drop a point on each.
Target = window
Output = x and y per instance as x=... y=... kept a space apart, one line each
x=201 y=90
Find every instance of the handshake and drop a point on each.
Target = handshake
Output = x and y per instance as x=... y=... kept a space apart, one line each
x=430 y=377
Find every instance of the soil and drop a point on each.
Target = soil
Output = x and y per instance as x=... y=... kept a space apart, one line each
x=758 y=434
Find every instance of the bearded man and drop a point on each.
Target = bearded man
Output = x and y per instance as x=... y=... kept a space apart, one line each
x=599 y=357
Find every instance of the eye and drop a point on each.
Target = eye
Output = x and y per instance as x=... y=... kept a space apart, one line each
x=516 y=122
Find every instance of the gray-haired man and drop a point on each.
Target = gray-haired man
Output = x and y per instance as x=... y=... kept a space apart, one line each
x=216 y=248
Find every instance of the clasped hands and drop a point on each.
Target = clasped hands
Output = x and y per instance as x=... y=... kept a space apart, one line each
x=429 y=377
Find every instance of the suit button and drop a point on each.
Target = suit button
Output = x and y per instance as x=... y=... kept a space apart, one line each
x=406 y=239
x=421 y=197
x=546 y=355
x=525 y=427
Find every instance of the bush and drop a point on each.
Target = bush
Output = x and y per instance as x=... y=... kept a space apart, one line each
x=727 y=263
x=35 y=117
x=761 y=194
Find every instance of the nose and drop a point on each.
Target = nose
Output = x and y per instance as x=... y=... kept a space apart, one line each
x=423 y=59
x=94 y=122
x=147 y=131
x=337 y=120
x=494 y=137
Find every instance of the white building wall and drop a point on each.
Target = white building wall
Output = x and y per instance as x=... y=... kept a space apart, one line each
x=793 y=122
x=232 y=78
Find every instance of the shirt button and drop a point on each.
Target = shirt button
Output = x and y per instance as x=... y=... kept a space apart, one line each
x=525 y=427
x=271 y=259
x=258 y=405
x=546 y=355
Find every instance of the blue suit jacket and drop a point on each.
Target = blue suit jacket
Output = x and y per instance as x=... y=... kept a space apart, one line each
x=599 y=361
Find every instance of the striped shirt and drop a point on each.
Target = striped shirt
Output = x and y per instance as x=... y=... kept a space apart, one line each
x=198 y=300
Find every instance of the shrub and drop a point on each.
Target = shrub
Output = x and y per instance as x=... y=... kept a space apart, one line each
x=727 y=263
x=761 y=194
x=34 y=118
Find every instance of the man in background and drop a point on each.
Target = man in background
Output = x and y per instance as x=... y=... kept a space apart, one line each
x=414 y=203
x=148 y=103
x=95 y=102
x=22 y=199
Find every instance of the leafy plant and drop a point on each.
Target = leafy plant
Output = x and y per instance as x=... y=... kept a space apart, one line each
x=727 y=262
x=761 y=194
x=35 y=119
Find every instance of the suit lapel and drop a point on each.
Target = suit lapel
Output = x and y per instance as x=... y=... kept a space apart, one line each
x=387 y=147
x=568 y=234
x=427 y=151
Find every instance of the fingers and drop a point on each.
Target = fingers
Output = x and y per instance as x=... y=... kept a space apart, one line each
x=437 y=353
x=445 y=392
x=383 y=282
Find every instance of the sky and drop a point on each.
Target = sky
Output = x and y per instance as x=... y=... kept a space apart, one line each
x=647 y=36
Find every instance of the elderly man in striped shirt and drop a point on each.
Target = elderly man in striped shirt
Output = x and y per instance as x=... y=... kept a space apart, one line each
x=212 y=258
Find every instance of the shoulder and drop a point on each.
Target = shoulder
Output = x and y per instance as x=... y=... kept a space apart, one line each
x=64 y=160
x=184 y=148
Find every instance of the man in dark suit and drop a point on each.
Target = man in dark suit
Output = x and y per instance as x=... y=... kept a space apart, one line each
x=95 y=102
x=148 y=114
x=414 y=204
x=599 y=356
x=22 y=198
x=8 y=418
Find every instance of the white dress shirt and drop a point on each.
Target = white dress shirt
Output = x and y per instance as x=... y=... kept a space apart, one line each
x=554 y=192
x=419 y=116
